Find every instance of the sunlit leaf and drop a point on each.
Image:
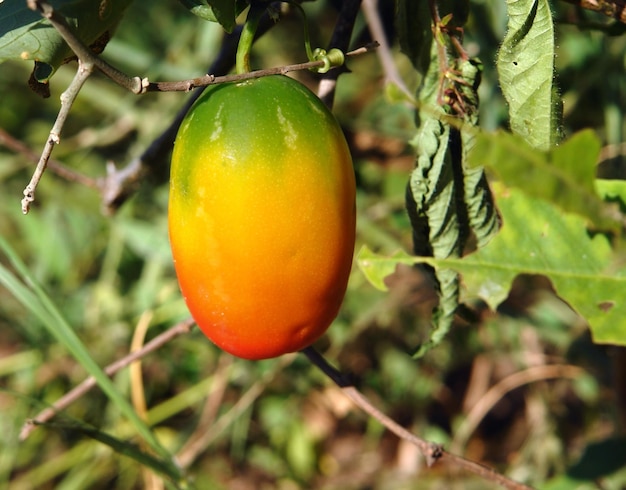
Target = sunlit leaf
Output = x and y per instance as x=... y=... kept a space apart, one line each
x=376 y=267
x=25 y=35
x=526 y=70
x=563 y=175
x=538 y=238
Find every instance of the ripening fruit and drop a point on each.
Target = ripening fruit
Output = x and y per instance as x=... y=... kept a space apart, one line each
x=262 y=215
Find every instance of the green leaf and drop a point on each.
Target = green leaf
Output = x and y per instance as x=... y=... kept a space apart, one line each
x=613 y=191
x=537 y=238
x=413 y=22
x=446 y=199
x=25 y=35
x=376 y=267
x=482 y=215
x=161 y=466
x=564 y=175
x=224 y=12
x=526 y=70
x=432 y=199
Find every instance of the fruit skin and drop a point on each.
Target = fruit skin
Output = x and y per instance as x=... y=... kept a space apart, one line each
x=262 y=216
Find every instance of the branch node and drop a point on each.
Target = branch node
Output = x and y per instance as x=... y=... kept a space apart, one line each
x=433 y=453
x=140 y=85
x=55 y=138
x=29 y=197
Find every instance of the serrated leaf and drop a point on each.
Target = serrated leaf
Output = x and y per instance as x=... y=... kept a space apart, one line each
x=564 y=175
x=526 y=70
x=613 y=191
x=538 y=238
x=25 y=35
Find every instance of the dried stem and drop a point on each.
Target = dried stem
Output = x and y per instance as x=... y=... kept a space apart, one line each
x=497 y=391
x=84 y=54
x=151 y=480
x=611 y=8
x=431 y=451
x=57 y=167
x=384 y=53
x=67 y=99
x=187 y=85
x=73 y=395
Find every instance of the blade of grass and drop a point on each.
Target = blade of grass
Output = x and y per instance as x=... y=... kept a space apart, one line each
x=34 y=299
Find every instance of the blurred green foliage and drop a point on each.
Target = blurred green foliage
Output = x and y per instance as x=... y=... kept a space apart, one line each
x=279 y=423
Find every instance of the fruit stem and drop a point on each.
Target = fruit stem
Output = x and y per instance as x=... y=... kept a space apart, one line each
x=332 y=372
x=242 y=60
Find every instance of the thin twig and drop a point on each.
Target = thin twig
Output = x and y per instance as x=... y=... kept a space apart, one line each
x=384 y=53
x=73 y=395
x=67 y=99
x=610 y=8
x=139 y=85
x=55 y=166
x=187 y=85
x=497 y=391
x=431 y=451
x=135 y=84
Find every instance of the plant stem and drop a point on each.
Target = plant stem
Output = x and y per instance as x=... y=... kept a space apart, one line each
x=432 y=452
x=242 y=60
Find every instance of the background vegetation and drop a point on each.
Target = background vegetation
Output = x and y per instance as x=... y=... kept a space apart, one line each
x=522 y=389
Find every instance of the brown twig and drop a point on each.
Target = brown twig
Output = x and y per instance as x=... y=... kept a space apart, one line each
x=55 y=166
x=497 y=391
x=384 y=53
x=431 y=451
x=67 y=100
x=611 y=8
x=139 y=85
x=73 y=395
x=84 y=54
x=187 y=85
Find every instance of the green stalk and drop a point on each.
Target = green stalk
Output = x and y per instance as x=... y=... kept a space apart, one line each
x=242 y=60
